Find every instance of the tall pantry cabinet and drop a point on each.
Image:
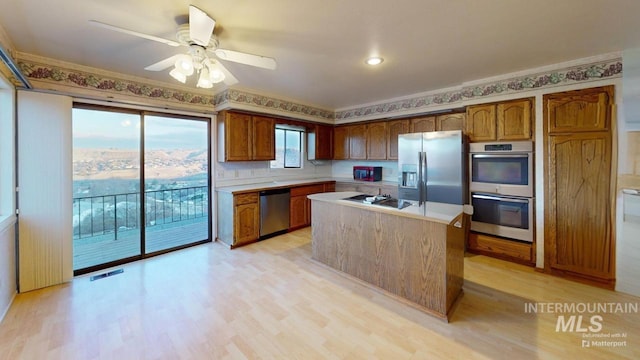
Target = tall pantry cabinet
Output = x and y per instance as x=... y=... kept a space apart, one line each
x=580 y=186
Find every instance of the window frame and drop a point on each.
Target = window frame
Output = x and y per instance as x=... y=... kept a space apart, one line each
x=7 y=153
x=301 y=131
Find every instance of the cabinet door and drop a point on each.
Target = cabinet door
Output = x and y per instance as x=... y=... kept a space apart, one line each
x=247 y=223
x=358 y=142
x=481 y=123
x=329 y=187
x=324 y=142
x=422 y=124
x=395 y=128
x=514 y=120
x=578 y=209
x=237 y=128
x=298 y=212
x=450 y=122
x=377 y=141
x=341 y=143
x=263 y=138
x=582 y=110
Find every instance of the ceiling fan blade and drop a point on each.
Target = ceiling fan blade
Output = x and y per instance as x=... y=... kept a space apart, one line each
x=229 y=79
x=200 y=26
x=134 y=33
x=247 y=59
x=163 y=64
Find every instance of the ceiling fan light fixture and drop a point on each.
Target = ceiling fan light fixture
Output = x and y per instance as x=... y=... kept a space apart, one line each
x=204 y=81
x=184 y=64
x=216 y=76
x=178 y=75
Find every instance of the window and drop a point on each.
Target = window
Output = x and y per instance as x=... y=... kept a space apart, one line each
x=288 y=148
x=7 y=151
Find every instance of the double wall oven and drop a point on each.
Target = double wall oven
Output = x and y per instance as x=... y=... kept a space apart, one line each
x=501 y=187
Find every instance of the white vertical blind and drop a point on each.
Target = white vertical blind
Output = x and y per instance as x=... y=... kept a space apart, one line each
x=45 y=196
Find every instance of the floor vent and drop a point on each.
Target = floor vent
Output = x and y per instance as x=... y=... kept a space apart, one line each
x=110 y=273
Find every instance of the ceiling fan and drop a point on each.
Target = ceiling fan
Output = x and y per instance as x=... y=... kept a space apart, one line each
x=197 y=35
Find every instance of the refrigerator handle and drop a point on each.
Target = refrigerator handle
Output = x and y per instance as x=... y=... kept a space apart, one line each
x=423 y=177
x=419 y=184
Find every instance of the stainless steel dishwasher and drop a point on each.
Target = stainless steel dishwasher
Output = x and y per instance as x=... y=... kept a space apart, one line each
x=274 y=212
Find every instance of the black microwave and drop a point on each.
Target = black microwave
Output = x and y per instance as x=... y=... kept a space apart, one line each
x=367 y=173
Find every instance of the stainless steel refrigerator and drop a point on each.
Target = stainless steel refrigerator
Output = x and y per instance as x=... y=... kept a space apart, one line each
x=431 y=167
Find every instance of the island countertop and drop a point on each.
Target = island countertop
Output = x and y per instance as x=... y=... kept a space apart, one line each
x=414 y=258
x=437 y=212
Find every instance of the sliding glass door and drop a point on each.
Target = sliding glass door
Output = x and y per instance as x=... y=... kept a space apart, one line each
x=124 y=211
x=106 y=186
x=176 y=190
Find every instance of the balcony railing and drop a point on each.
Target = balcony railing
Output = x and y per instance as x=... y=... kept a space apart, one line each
x=106 y=214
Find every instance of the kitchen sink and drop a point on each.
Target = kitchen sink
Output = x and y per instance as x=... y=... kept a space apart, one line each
x=384 y=201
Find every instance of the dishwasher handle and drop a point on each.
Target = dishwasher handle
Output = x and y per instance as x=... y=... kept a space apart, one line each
x=274 y=192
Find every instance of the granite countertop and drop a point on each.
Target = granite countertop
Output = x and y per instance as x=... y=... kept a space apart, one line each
x=437 y=212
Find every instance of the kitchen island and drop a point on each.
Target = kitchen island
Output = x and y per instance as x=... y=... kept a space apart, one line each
x=412 y=254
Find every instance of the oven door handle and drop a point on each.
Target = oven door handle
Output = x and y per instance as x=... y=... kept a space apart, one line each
x=483 y=156
x=496 y=198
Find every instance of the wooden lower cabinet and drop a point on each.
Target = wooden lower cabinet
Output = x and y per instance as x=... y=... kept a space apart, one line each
x=238 y=218
x=300 y=205
x=298 y=213
x=247 y=223
x=501 y=248
x=241 y=225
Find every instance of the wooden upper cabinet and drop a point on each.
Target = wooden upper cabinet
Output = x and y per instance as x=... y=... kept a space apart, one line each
x=237 y=129
x=324 y=142
x=341 y=143
x=514 y=120
x=263 y=138
x=377 y=140
x=358 y=142
x=395 y=128
x=481 y=122
x=245 y=137
x=582 y=110
x=450 y=122
x=422 y=124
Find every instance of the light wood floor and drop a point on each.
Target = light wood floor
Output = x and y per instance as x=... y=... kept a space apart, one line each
x=269 y=300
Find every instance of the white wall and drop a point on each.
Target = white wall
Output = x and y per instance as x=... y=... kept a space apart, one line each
x=7 y=268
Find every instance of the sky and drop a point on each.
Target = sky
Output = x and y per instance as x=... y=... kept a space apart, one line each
x=96 y=129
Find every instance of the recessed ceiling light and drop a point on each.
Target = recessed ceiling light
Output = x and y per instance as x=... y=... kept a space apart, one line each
x=374 y=60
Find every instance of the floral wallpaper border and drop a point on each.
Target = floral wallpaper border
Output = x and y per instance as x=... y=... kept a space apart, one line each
x=86 y=78
x=110 y=84
x=232 y=96
x=575 y=74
